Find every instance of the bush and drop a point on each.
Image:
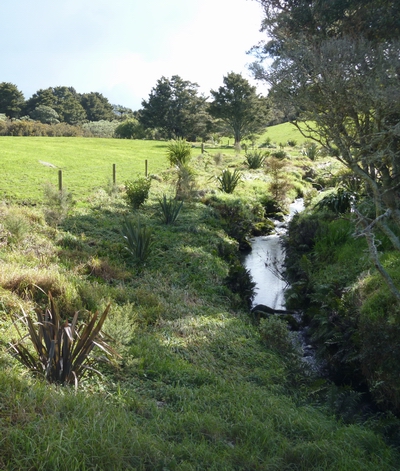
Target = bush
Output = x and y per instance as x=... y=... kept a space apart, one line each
x=130 y=129
x=179 y=152
x=61 y=350
x=255 y=158
x=137 y=192
x=138 y=240
x=170 y=209
x=311 y=151
x=101 y=128
x=275 y=333
x=228 y=180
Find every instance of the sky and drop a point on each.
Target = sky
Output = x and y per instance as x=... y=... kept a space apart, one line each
x=120 y=48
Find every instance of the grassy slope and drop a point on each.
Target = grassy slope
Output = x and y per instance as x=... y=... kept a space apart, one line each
x=197 y=389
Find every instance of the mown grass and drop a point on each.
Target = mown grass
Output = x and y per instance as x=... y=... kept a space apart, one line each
x=196 y=388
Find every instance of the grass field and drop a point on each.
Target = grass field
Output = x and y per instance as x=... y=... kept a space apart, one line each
x=28 y=163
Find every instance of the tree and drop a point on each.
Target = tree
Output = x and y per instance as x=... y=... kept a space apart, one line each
x=45 y=114
x=175 y=108
x=343 y=78
x=11 y=100
x=121 y=112
x=239 y=107
x=130 y=129
x=64 y=100
x=97 y=107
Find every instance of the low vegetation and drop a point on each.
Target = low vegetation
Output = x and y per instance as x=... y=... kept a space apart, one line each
x=195 y=384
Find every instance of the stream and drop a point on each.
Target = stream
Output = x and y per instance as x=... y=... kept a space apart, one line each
x=265 y=264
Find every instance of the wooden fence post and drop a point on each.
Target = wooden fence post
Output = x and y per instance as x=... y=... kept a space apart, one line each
x=60 y=185
x=145 y=168
x=114 y=174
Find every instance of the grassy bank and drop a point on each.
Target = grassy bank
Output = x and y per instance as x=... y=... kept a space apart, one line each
x=197 y=386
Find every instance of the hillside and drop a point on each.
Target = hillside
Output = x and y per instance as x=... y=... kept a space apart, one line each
x=198 y=385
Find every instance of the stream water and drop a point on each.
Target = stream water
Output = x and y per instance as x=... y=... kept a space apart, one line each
x=265 y=263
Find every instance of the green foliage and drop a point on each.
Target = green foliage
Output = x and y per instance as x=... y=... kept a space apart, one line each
x=138 y=240
x=175 y=109
x=179 y=152
x=16 y=225
x=237 y=104
x=62 y=350
x=229 y=180
x=311 y=151
x=137 y=191
x=170 y=209
x=292 y=142
x=338 y=202
x=100 y=128
x=275 y=333
x=239 y=281
x=45 y=114
x=255 y=159
x=130 y=129
x=57 y=204
x=11 y=100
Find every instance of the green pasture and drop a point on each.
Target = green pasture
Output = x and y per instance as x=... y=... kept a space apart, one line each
x=28 y=163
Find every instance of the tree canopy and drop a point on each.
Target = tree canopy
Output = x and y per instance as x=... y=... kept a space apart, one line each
x=11 y=100
x=237 y=104
x=337 y=64
x=175 y=108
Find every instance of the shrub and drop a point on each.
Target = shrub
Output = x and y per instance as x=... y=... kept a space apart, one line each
x=130 y=129
x=292 y=143
x=275 y=333
x=228 y=180
x=179 y=152
x=170 y=209
x=240 y=281
x=311 y=151
x=100 y=128
x=279 y=154
x=138 y=240
x=137 y=191
x=185 y=183
x=58 y=204
x=338 y=202
x=62 y=350
x=255 y=158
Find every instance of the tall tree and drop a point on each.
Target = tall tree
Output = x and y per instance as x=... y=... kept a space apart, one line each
x=175 y=108
x=64 y=100
x=97 y=107
x=337 y=63
x=11 y=100
x=237 y=104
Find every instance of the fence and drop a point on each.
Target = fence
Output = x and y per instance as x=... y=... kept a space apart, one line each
x=114 y=175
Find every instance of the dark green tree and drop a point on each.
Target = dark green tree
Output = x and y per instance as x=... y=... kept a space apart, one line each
x=11 y=100
x=239 y=107
x=175 y=108
x=97 y=107
x=64 y=100
x=45 y=114
x=342 y=77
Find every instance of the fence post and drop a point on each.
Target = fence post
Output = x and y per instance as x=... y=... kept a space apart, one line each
x=114 y=174
x=202 y=147
x=60 y=180
x=145 y=168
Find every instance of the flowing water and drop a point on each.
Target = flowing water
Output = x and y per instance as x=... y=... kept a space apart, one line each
x=265 y=263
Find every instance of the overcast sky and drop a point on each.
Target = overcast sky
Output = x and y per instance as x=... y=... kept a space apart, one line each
x=120 y=48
